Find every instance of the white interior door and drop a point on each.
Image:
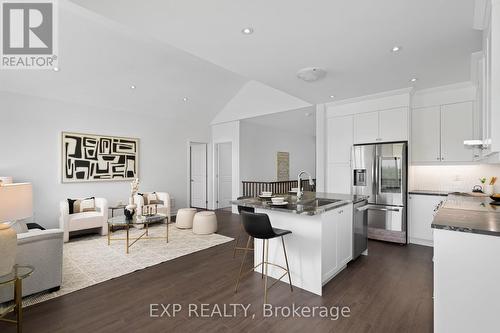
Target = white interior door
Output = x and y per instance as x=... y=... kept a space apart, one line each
x=198 y=175
x=224 y=175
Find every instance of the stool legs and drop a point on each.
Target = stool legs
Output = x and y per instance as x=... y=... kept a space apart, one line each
x=266 y=266
x=241 y=266
x=286 y=261
x=242 y=230
x=237 y=241
x=263 y=261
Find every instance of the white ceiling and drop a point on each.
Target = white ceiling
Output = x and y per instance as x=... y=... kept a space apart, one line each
x=301 y=121
x=350 y=39
x=100 y=60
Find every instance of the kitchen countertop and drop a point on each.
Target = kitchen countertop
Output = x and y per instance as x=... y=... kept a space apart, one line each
x=446 y=193
x=307 y=205
x=429 y=192
x=468 y=214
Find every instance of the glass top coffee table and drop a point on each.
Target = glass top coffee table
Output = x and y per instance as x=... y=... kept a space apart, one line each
x=139 y=221
x=16 y=276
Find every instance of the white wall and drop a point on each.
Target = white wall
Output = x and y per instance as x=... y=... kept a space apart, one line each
x=257 y=99
x=259 y=145
x=30 y=145
x=450 y=178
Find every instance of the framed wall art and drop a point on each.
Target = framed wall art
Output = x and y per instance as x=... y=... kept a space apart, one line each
x=92 y=158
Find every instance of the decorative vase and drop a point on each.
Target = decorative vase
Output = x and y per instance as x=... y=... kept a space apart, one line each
x=489 y=189
x=8 y=248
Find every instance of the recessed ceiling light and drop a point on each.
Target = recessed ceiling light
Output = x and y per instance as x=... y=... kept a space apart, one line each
x=185 y=99
x=413 y=79
x=332 y=96
x=247 y=31
x=55 y=69
x=308 y=114
x=132 y=87
x=396 y=49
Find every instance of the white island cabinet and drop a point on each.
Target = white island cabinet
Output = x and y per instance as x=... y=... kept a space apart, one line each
x=319 y=247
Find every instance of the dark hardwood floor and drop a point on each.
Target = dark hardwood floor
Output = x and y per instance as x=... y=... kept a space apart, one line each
x=388 y=291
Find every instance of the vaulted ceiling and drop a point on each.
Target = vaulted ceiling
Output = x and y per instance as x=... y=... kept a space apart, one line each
x=171 y=49
x=99 y=61
x=352 y=40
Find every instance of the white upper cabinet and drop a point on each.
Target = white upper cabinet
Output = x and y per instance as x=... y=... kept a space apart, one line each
x=339 y=139
x=381 y=126
x=366 y=127
x=393 y=125
x=457 y=125
x=426 y=134
x=438 y=133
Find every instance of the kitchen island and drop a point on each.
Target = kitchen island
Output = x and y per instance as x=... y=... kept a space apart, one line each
x=466 y=270
x=321 y=243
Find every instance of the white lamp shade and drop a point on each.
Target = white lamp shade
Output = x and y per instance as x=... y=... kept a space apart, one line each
x=16 y=202
x=6 y=180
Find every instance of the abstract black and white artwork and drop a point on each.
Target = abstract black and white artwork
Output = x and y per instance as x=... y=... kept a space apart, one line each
x=90 y=158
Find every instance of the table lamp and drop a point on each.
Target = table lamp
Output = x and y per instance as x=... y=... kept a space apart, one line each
x=16 y=203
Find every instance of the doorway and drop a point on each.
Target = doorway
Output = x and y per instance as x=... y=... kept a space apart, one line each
x=198 y=175
x=224 y=174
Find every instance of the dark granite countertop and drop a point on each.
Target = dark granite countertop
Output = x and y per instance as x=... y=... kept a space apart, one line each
x=312 y=203
x=468 y=214
x=429 y=192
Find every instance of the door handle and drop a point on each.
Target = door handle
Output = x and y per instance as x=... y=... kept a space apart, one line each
x=361 y=209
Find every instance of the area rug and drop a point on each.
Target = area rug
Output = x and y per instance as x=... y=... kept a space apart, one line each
x=89 y=260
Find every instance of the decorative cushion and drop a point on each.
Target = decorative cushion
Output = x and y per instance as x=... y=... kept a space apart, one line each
x=156 y=202
x=149 y=198
x=81 y=205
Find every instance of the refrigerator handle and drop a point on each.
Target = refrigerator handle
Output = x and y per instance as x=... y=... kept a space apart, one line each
x=377 y=175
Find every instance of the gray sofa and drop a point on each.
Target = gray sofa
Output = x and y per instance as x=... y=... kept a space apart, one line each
x=42 y=249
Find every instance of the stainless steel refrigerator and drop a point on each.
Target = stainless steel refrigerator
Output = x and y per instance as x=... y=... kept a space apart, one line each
x=380 y=172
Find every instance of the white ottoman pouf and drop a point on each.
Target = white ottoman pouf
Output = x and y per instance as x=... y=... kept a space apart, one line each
x=204 y=223
x=184 y=218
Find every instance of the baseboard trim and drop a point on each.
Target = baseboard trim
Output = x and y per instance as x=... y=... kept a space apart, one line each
x=424 y=242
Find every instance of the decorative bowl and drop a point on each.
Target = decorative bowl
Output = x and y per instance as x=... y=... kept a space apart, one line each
x=278 y=200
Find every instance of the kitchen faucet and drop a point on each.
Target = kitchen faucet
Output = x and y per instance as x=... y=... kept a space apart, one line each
x=300 y=193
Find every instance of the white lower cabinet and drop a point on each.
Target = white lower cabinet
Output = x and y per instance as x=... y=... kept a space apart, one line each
x=421 y=210
x=344 y=221
x=466 y=275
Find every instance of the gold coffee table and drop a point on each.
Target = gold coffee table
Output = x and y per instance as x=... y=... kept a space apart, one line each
x=16 y=277
x=140 y=220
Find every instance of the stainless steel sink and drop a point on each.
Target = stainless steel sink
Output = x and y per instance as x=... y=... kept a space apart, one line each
x=324 y=202
x=318 y=202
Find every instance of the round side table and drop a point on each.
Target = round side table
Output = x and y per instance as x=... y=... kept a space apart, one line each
x=16 y=277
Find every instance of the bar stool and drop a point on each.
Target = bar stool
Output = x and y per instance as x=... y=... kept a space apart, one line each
x=242 y=230
x=258 y=226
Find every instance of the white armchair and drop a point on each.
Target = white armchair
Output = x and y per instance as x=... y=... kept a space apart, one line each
x=84 y=221
x=42 y=249
x=164 y=208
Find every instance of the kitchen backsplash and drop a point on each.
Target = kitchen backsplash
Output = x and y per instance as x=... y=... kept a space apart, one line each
x=451 y=178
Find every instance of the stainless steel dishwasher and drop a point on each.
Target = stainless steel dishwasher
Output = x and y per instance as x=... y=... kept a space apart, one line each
x=359 y=229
